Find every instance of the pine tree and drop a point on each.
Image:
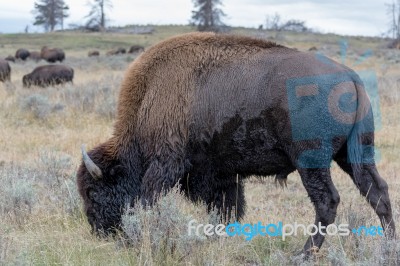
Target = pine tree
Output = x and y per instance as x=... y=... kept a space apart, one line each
x=208 y=15
x=50 y=13
x=97 y=16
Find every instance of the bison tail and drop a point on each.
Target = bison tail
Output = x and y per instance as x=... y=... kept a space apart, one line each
x=357 y=153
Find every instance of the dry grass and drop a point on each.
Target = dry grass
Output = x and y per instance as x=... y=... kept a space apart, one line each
x=40 y=135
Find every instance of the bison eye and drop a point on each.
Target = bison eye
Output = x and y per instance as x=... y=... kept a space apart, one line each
x=117 y=170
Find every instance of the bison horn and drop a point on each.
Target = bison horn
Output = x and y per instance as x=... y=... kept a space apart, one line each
x=93 y=169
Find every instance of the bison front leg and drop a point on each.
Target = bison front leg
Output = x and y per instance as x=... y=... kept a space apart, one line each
x=228 y=199
x=325 y=198
x=159 y=177
x=225 y=195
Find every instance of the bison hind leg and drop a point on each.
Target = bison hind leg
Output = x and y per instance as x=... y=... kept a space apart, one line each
x=374 y=189
x=324 y=196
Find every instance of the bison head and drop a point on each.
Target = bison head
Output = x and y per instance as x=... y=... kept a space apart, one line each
x=105 y=188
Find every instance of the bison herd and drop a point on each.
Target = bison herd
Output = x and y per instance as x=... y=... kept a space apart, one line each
x=48 y=75
x=41 y=76
x=134 y=49
x=50 y=55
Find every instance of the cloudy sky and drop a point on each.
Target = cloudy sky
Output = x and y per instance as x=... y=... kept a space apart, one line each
x=355 y=17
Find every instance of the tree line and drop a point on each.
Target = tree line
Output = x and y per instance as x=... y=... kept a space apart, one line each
x=49 y=14
x=207 y=16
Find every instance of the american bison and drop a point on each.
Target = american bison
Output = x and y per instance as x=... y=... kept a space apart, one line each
x=135 y=49
x=48 y=75
x=117 y=51
x=5 y=70
x=121 y=50
x=93 y=53
x=112 y=52
x=10 y=58
x=52 y=55
x=35 y=56
x=22 y=54
x=206 y=110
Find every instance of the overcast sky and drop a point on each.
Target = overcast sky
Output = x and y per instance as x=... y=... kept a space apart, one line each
x=347 y=17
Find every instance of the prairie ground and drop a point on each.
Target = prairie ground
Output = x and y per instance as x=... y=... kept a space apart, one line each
x=41 y=131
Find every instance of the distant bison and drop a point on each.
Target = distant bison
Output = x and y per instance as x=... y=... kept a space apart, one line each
x=35 y=56
x=52 y=55
x=119 y=50
x=10 y=58
x=47 y=75
x=22 y=54
x=93 y=53
x=136 y=49
x=5 y=71
x=112 y=52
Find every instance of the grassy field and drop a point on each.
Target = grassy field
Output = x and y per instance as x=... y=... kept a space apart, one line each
x=41 y=131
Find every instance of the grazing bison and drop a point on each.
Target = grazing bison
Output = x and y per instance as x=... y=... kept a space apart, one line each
x=204 y=109
x=136 y=49
x=48 y=75
x=5 y=70
x=112 y=52
x=52 y=55
x=35 y=56
x=121 y=50
x=22 y=54
x=117 y=51
x=10 y=58
x=93 y=53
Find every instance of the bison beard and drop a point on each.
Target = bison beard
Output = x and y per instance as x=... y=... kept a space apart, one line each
x=208 y=111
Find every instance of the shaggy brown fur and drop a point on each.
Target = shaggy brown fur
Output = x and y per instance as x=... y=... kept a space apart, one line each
x=194 y=51
x=217 y=107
